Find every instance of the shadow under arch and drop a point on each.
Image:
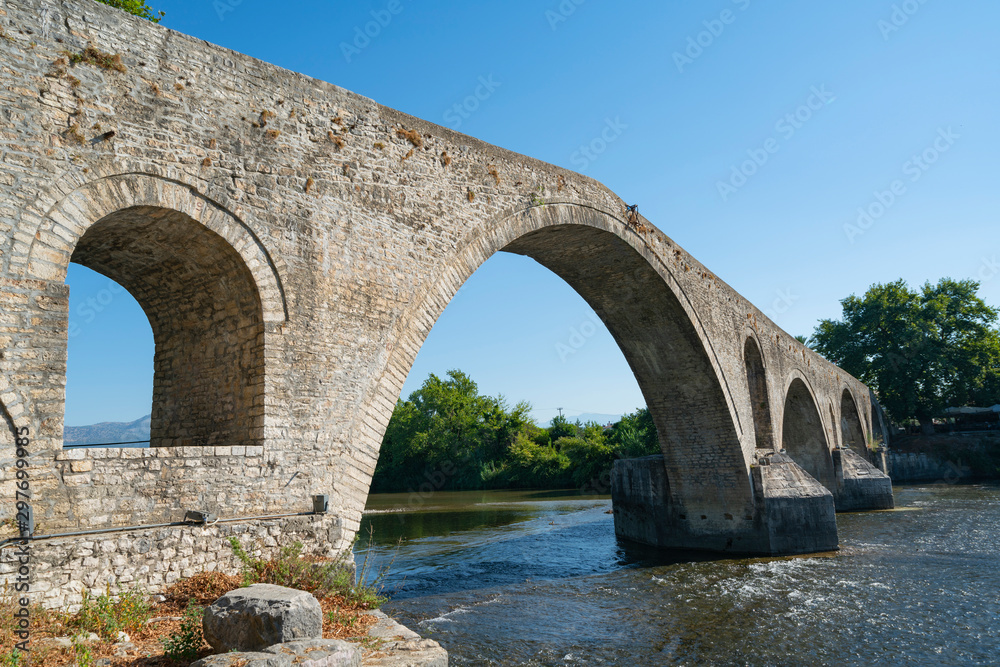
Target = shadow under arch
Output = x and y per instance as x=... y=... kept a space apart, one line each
x=803 y=436
x=852 y=432
x=611 y=267
x=760 y=404
x=205 y=312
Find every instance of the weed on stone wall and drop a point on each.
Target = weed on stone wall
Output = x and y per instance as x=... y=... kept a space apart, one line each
x=94 y=56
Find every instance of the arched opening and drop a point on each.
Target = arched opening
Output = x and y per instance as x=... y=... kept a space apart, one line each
x=803 y=437
x=704 y=462
x=759 y=402
x=205 y=313
x=852 y=433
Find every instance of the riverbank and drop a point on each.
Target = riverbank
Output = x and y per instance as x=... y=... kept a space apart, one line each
x=949 y=458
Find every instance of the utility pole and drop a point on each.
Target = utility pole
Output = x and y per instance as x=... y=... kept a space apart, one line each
x=560 y=411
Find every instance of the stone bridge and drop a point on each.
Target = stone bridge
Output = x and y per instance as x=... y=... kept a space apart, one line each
x=292 y=244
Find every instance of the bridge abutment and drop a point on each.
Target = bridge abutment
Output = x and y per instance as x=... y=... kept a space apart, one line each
x=792 y=513
x=860 y=485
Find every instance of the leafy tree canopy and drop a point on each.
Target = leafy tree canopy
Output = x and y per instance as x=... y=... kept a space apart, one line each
x=448 y=436
x=137 y=7
x=921 y=351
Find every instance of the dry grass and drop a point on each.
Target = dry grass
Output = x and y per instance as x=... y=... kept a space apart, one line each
x=342 y=619
x=494 y=173
x=412 y=136
x=94 y=56
x=445 y=159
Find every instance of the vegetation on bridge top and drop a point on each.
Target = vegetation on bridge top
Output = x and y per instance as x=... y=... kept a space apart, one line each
x=137 y=7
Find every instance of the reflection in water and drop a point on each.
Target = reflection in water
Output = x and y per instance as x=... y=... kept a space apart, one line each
x=511 y=578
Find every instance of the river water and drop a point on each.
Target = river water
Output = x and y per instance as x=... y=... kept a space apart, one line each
x=538 y=578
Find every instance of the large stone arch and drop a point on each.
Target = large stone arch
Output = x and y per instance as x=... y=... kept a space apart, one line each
x=205 y=283
x=760 y=403
x=609 y=263
x=852 y=431
x=803 y=434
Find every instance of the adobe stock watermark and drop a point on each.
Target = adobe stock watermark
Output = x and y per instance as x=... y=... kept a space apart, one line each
x=584 y=156
x=786 y=127
x=782 y=303
x=363 y=35
x=22 y=583
x=461 y=111
x=696 y=44
x=92 y=306
x=578 y=337
x=223 y=7
x=914 y=168
x=900 y=16
x=562 y=12
x=988 y=269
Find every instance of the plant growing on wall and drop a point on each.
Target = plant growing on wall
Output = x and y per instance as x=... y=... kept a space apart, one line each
x=137 y=7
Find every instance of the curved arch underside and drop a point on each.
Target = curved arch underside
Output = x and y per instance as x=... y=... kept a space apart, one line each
x=852 y=433
x=803 y=436
x=205 y=312
x=705 y=464
x=759 y=403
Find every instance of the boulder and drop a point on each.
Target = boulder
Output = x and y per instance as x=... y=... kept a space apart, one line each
x=255 y=617
x=319 y=653
x=235 y=659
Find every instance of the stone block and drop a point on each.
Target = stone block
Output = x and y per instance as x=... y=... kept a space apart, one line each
x=255 y=617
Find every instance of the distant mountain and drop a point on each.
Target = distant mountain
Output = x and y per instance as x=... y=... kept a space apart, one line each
x=598 y=417
x=107 y=432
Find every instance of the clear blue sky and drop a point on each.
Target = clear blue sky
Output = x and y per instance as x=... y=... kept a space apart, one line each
x=884 y=86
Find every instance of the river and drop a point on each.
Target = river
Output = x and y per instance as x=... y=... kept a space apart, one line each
x=538 y=578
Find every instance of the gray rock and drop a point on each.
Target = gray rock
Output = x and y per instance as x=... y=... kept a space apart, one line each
x=319 y=653
x=253 y=618
x=409 y=653
x=243 y=660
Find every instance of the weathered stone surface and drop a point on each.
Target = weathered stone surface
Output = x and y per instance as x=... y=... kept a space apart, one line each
x=860 y=485
x=292 y=245
x=243 y=659
x=408 y=653
x=319 y=653
x=255 y=617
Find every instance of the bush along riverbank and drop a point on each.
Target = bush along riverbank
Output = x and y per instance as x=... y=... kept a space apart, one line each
x=447 y=433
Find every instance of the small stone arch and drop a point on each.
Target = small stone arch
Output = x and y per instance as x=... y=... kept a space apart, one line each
x=803 y=435
x=204 y=281
x=760 y=403
x=852 y=431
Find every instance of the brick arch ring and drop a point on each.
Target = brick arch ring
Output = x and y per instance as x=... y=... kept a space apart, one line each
x=57 y=234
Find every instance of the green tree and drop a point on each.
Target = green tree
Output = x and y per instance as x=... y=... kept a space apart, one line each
x=137 y=7
x=921 y=351
x=448 y=434
x=635 y=435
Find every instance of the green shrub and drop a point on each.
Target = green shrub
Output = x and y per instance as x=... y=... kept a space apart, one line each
x=136 y=7
x=321 y=578
x=186 y=643
x=107 y=616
